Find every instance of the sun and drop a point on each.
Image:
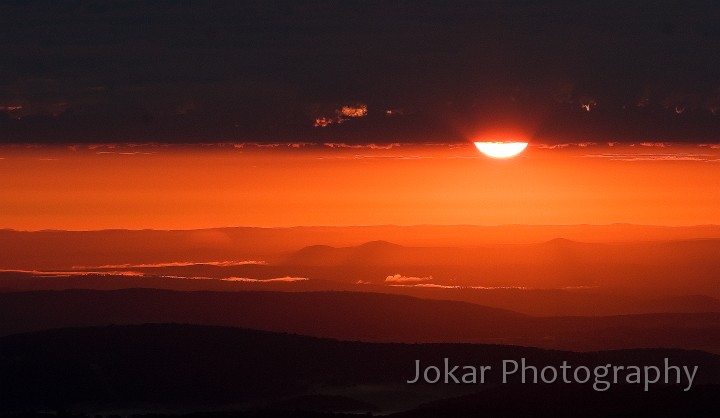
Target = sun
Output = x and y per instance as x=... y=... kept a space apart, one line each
x=501 y=149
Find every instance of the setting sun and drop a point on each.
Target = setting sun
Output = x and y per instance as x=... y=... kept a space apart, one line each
x=501 y=149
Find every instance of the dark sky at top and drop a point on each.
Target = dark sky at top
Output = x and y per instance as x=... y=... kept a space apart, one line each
x=108 y=71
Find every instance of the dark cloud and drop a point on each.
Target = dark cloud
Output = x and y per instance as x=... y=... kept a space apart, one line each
x=94 y=71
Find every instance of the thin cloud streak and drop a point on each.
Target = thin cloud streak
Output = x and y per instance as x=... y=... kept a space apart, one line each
x=286 y=279
x=176 y=264
x=656 y=157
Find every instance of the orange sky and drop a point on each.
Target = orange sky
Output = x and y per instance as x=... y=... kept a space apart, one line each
x=187 y=187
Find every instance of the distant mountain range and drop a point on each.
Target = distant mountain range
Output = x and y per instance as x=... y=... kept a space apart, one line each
x=64 y=249
x=555 y=277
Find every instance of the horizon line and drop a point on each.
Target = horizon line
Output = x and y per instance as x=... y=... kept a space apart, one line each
x=707 y=225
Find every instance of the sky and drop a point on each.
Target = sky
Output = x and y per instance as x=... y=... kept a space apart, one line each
x=277 y=185
x=180 y=115
x=406 y=71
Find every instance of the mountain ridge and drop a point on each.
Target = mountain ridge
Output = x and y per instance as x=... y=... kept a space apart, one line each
x=372 y=317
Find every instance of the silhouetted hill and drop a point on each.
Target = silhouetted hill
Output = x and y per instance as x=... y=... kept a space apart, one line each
x=650 y=268
x=572 y=401
x=544 y=302
x=379 y=244
x=185 y=367
x=372 y=253
x=346 y=315
x=356 y=316
x=687 y=302
x=326 y=403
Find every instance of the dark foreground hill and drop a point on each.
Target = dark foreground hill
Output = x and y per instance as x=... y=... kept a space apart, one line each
x=196 y=368
x=575 y=401
x=372 y=317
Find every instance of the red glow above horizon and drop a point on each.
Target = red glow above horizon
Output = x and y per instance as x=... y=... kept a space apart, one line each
x=187 y=187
